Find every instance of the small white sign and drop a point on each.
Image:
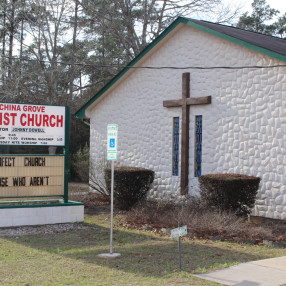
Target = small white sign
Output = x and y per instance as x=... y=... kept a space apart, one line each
x=112 y=131
x=178 y=232
x=112 y=156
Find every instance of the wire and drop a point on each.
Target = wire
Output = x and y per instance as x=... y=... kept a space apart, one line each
x=152 y=67
x=208 y=68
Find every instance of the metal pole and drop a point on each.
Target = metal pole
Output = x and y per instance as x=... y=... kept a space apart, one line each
x=180 y=255
x=180 y=252
x=111 y=206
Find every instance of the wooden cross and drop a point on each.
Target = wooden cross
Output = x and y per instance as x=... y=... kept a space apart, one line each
x=185 y=102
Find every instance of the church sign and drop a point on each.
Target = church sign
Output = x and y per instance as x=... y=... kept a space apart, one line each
x=25 y=124
x=28 y=175
x=31 y=175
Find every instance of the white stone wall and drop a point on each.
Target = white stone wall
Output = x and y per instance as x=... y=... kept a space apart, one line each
x=243 y=128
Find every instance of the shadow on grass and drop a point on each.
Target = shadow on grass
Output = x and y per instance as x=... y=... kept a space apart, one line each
x=141 y=253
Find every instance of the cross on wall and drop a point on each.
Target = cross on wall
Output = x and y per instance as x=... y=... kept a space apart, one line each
x=185 y=102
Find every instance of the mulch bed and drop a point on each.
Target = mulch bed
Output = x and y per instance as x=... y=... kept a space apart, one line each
x=279 y=241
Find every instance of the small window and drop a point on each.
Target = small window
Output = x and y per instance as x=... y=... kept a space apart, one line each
x=198 y=146
x=176 y=134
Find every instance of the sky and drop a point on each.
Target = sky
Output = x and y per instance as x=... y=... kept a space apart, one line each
x=232 y=5
x=276 y=4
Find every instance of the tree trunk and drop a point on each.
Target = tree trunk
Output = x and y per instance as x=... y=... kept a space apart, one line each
x=73 y=52
x=21 y=57
x=4 y=46
x=11 y=39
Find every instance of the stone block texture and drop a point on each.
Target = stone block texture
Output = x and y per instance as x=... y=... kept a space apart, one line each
x=243 y=128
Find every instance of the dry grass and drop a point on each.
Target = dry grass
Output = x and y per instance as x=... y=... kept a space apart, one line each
x=147 y=257
x=204 y=222
x=200 y=220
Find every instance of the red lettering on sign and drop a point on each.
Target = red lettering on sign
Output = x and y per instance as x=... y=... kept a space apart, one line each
x=41 y=120
x=60 y=121
x=23 y=116
x=46 y=120
x=5 y=118
x=34 y=108
x=31 y=119
x=38 y=121
x=13 y=115
x=52 y=123
x=10 y=107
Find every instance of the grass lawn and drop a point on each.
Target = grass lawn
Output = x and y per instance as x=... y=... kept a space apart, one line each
x=70 y=258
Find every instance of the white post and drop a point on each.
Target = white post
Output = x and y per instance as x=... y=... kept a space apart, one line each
x=111 y=206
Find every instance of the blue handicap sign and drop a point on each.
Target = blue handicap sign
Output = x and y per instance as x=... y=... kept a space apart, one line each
x=112 y=142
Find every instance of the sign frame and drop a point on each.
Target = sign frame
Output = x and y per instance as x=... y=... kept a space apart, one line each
x=66 y=151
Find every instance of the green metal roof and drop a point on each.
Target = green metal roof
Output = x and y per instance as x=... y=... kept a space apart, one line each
x=271 y=46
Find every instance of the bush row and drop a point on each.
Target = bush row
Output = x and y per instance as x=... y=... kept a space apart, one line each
x=223 y=192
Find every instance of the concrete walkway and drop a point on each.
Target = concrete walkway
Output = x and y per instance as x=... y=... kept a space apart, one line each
x=267 y=272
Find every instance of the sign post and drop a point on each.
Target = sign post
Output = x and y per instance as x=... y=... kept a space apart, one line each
x=112 y=131
x=178 y=233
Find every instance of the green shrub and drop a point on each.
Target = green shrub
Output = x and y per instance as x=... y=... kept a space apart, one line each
x=131 y=185
x=80 y=163
x=229 y=192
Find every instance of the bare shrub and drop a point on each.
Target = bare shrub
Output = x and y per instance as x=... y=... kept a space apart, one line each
x=96 y=178
x=91 y=172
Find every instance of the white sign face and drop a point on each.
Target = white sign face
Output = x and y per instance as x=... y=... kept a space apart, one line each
x=25 y=124
x=178 y=232
x=112 y=131
x=23 y=176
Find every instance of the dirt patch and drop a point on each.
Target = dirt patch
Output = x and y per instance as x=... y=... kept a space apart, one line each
x=39 y=229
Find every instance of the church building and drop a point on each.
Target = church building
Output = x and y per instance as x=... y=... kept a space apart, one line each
x=202 y=98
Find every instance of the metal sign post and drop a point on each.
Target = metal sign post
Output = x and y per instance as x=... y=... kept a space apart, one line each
x=112 y=131
x=180 y=255
x=111 y=207
x=178 y=233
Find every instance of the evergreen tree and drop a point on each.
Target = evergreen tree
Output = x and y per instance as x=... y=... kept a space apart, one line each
x=256 y=22
x=280 y=26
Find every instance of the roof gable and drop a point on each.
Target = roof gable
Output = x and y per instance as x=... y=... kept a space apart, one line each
x=268 y=45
